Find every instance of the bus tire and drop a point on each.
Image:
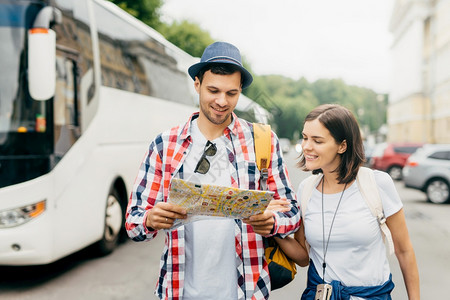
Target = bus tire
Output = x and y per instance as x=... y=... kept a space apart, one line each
x=113 y=224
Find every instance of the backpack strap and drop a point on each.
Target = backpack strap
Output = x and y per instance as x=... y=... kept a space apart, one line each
x=307 y=190
x=263 y=150
x=369 y=190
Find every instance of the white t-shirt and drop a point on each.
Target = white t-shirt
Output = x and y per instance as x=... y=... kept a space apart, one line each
x=356 y=254
x=210 y=243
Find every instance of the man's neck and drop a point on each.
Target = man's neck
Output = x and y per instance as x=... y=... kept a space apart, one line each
x=210 y=130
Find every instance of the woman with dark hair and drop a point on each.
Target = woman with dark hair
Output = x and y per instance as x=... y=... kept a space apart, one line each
x=347 y=257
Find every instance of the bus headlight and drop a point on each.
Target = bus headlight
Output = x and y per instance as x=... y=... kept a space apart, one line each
x=21 y=215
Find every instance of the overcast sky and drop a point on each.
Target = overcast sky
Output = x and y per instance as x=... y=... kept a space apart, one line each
x=346 y=39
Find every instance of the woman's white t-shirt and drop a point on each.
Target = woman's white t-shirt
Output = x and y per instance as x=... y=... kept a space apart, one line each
x=356 y=254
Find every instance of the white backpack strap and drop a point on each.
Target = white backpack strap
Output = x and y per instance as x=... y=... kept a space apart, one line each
x=308 y=188
x=369 y=190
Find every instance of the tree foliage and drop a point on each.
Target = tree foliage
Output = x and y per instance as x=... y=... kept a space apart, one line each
x=187 y=36
x=145 y=10
x=289 y=101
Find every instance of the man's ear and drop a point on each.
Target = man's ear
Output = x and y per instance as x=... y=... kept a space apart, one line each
x=197 y=84
x=342 y=147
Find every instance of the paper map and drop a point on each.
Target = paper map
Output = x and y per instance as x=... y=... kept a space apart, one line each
x=217 y=201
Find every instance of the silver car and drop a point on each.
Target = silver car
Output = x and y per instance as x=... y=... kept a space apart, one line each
x=428 y=170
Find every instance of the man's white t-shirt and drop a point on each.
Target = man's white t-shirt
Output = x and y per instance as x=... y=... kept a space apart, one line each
x=210 y=243
x=356 y=254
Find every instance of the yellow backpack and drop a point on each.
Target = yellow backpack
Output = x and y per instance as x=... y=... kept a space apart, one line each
x=282 y=269
x=263 y=150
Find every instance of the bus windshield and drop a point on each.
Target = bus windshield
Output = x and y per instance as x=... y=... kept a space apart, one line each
x=25 y=124
x=20 y=116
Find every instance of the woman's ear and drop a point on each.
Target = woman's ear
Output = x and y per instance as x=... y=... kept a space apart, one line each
x=342 y=147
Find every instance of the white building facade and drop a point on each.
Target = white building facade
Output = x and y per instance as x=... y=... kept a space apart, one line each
x=419 y=102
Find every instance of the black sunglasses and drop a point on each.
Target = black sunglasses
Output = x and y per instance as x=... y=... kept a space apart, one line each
x=203 y=164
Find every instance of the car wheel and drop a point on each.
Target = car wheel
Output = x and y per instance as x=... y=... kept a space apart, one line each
x=395 y=172
x=113 y=224
x=437 y=191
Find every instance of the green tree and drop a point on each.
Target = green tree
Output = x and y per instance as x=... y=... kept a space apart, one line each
x=366 y=105
x=290 y=100
x=145 y=10
x=289 y=123
x=330 y=91
x=187 y=36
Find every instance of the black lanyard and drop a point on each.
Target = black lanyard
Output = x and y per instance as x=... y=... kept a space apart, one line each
x=325 y=247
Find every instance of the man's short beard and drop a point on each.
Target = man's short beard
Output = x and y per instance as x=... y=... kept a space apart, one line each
x=226 y=118
x=212 y=120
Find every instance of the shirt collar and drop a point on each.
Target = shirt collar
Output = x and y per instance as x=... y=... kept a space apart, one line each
x=234 y=127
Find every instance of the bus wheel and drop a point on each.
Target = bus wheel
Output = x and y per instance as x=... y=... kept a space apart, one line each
x=113 y=224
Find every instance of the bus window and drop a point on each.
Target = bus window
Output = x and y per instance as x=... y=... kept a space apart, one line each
x=74 y=43
x=132 y=60
x=66 y=130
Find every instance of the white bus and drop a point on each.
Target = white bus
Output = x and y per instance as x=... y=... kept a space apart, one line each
x=84 y=88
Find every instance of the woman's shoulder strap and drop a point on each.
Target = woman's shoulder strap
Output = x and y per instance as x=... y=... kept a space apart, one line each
x=369 y=190
x=309 y=184
x=307 y=190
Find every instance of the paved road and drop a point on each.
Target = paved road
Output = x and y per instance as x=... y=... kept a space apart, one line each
x=132 y=270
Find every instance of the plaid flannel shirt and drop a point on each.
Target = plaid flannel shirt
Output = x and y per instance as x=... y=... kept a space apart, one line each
x=164 y=160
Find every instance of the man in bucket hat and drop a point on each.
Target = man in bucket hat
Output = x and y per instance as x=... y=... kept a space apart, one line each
x=211 y=258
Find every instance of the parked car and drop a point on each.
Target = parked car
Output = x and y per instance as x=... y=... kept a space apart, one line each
x=428 y=170
x=285 y=145
x=391 y=157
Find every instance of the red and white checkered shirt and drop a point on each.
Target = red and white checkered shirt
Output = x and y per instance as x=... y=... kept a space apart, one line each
x=164 y=160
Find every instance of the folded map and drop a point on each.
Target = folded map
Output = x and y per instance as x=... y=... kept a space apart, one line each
x=216 y=201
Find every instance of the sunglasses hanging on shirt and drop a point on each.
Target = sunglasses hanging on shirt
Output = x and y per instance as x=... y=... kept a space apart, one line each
x=203 y=164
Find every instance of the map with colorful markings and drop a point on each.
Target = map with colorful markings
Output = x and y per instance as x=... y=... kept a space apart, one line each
x=216 y=201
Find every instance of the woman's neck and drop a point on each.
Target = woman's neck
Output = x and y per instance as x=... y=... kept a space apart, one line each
x=331 y=184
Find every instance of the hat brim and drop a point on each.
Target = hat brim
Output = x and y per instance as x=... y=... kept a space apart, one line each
x=195 y=69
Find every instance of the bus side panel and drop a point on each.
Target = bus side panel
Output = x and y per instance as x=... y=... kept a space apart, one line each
x=112 y=147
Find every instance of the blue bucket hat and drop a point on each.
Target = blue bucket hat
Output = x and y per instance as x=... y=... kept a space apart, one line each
x=221 y=52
